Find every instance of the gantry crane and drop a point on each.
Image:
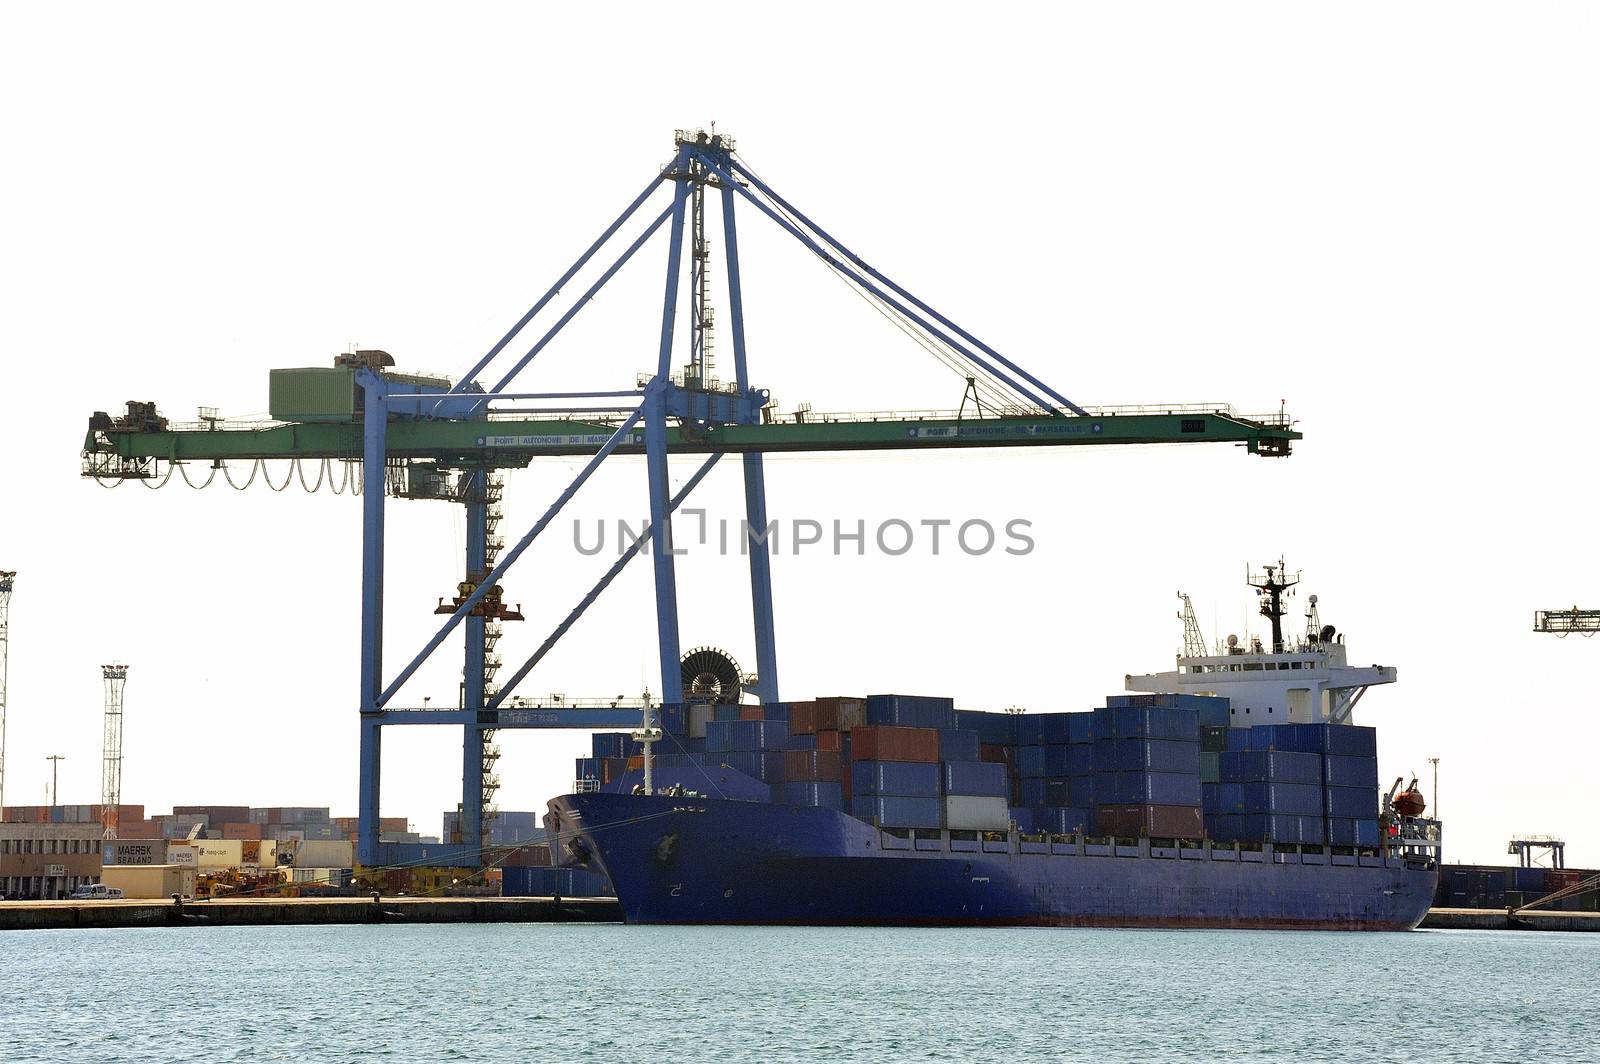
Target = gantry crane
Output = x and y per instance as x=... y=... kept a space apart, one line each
x=410 y=436
x=1565 y=622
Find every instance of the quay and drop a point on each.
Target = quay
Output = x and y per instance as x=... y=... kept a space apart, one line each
x=1501 y=920
x=236 y=912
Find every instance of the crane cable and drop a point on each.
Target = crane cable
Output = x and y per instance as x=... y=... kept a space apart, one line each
x=998 y=393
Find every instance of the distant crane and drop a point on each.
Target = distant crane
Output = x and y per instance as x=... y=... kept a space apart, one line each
x=1564 y=622
x=7 y=579
x=116 y=678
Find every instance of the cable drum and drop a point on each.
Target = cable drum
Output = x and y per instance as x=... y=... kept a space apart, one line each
x=711 y=675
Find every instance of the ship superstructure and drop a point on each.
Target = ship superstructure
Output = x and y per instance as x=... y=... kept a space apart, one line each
x=1304 y=680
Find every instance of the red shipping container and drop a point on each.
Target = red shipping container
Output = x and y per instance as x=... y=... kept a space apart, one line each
x=242 y=831
x=840 y=713
x=995 y=755
x=892 y=743
x=1156 y=821
x=802 y=718
x=830 y=740
x=612 y=768
x=751 y=713
x=812 y=765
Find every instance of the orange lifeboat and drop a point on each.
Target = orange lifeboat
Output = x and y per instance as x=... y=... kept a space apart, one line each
x=1409 y=802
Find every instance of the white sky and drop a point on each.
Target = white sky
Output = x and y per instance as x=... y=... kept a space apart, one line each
x=1384 y=215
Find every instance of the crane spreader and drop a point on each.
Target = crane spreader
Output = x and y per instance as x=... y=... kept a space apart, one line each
x=414 y=436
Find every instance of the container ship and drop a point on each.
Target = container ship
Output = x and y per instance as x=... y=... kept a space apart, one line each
x=1234 y=791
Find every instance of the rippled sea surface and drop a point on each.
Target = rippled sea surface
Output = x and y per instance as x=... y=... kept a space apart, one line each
x=539 y=992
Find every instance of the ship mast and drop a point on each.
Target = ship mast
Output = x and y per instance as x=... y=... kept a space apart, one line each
x=1271 y=588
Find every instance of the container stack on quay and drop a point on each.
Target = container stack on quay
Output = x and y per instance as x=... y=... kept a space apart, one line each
x=1502 y=887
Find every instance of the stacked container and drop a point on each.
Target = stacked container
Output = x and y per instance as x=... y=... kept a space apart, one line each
x=1297 y=784
x=1147 y=766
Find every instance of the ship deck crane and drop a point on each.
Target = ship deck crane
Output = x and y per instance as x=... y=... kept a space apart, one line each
x=410 y=436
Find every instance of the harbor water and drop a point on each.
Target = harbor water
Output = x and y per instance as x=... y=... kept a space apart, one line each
x=584 y=992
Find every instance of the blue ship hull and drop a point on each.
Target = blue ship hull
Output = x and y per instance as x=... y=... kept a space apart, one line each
x=711 y=861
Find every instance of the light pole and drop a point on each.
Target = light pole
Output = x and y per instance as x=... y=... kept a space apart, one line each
x=55 y=764
x=1435 y=763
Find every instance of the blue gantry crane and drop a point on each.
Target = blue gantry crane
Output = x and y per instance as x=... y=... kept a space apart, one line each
x=420 y=437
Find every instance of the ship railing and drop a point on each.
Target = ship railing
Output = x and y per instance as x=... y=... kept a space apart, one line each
x=586 y=786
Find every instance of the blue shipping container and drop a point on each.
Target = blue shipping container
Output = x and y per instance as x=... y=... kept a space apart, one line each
x=1080 y=759
x=608 y=744
x=1080 y=727
x=1030 y=762
x=894 y=811
x=1349 y=770
x=1275 y=766
x=1147 y=788
x=1292 y=799
x=994 y=729
x=958 y=744
x=726 y=735
x=1061 y=820
x=1081 y=791
x=821 y=794
x=1031 y=791
x=911 y=711
x=975 y=777
x=764 y=765
x=802 y=742
x=1355 y=802
x=910 y=779
x=1147 y=722
x=1023 y=818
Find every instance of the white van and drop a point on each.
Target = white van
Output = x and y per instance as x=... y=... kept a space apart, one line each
x=95 y=892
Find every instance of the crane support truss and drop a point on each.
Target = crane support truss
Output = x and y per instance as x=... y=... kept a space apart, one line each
x=400 y=423
x=1566 y=622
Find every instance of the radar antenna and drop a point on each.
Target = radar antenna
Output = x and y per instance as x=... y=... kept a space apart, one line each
x=1194 y=644
x=1271 y=588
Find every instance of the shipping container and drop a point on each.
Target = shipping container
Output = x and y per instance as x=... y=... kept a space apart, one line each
x=1155 y=755
x=700 y=714
x=911 y=779
x=840 y=713
x=830 y=740
x=1080 y=759
x=1343 y=831
x=958 y=744
x=1146 y=722
x=724 y=713
x=1354 y=802
x=975 y=777
x=150 y=881
x=1031 y=791
x=1023 y=818
x=1210 y=767
x=1274 y=766
x=895 y=811
x=802 y=718
x=1081 y=792
x=763 y=765
x=879 y=743
x=1350 y=770
x=823 y=794
x=911 y=711
x=968 y=812
x=1063 y=820
x=534 y=882
x=1213 y=739
x=1298 y=799
x=1148 y=788
x=804 y=765
x=993 y=729
x=1030 y=762
x=723 y=736
x=1149 y=819
x=1058 y=791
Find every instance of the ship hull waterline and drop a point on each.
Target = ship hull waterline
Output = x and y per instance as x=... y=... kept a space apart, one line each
x=675 y=860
